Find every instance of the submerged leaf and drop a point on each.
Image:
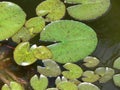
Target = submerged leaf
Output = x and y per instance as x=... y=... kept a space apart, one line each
x=51 y=9
x=75 y=40
x=87 y=86
x=116 y=63
x=51 y=68
x=74 y=72
x=116 y=79
x=87 y=9
x=12 y=18
x=105 y=73
x=39 y=83
x=90 y=76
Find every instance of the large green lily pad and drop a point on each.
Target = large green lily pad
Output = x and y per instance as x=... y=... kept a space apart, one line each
x=12 y=18
x=87 y=9
x=75 y=40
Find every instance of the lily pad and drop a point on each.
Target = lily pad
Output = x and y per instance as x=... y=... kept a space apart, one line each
x=60 y=79
x=91 y=61
x=87 y=86
x=74 y=72
x=12 y=86
x=116 y=63
x=105 y=73
x=75 y=40
x=116 y=79
x=66 y=85
x=90 y=76
x=51 y=68
x=51 y=9
x=52 y=89
x=23 y=35
x=12 y=18
x=23 y=54
x=39 y=83
x=35 y=25
x=42 y=52
x=87 y=9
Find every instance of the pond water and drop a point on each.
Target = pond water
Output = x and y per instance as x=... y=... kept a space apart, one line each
x=106 y=27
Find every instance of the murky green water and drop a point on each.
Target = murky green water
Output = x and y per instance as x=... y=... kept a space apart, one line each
x=107 y=28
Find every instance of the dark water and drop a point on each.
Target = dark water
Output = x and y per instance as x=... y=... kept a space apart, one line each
x=106 y=27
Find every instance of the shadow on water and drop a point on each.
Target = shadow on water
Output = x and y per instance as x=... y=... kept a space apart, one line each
x=106 y=27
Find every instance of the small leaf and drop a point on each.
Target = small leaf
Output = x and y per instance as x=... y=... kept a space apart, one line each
x=75 y=40
x=74 y=72
x=51 y=9
x=12 y=86
x=12 y=18
x=42 y=52
x=87 y=9
x=35 y=25
x=58 y=79
x=22 y=35
x=90 y=76
x=52 y=89
x=105 y=73
x=116 y=63
x=51 y=68
x=39 y=83
x=87 y=86
x=116 y=79
x=67 y=86
x=23 y=54
x=91 y=61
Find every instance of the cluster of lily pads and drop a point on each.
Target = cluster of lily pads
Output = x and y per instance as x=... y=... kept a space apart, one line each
x=71 y=41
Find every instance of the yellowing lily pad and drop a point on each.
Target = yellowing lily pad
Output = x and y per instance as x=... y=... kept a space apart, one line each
x=51 y=9
x=12 y=18
x=75 y=40
x=39 y=83
x=74 y=72
x=87 y=9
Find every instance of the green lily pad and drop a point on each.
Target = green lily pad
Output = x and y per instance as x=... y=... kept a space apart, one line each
x=35 y=25
x=51 y=68
x=91 y=61
x=66 y=85
x=75 y=40
x=116 y=63
x=116 y=79
x=42 y=52
x=22 y=35
x=87 y=86
x=90 y=76
x=87 y=9
x=12 y=86
x=74 y=72
x=52 y=89
x=39 y=83
x=23 y=54
x=12 y=18
x=105 y=73
x=60 y=79
x=51 y=9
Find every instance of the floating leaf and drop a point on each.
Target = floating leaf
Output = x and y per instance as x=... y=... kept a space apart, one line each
x=51 y=9
x=116 y=63
x=22 y=35
x=87 y=9
x=74 y=72
x=12 y=18
x=75 y=40
x=91 y=61
x=87 y=86
x=39 y=83
x=42 y=52
x=116 y=79
x=23 y=54
x=52 y=89
x=51 y=68
x=35 y=25
x=12 y=86
x=90 y=76
x=67 y=86
x=105 y=73
x=58 y=79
